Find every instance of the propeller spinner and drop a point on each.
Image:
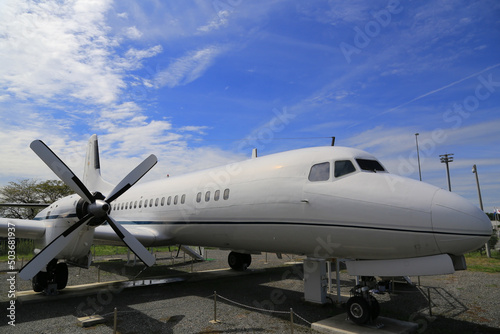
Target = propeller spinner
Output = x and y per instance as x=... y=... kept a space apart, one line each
x=96 y=210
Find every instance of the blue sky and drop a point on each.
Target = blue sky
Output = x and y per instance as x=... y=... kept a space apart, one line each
x=187 y=80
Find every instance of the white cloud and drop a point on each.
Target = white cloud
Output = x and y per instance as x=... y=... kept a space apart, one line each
x=133 y=33
x=187 y=68
x=51 y=49
x=191 y=128
x=63 y=50
x=220 y=20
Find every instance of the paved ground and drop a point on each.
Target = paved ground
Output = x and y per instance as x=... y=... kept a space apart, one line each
x=465 y=302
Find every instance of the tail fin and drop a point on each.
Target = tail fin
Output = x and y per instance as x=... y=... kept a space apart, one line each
x=92 y=170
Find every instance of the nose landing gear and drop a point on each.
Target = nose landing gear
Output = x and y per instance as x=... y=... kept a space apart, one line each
x=362 y=307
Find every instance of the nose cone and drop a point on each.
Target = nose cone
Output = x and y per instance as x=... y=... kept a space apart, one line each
x=458 y=225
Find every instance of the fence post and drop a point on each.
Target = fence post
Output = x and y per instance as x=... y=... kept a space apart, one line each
x=291 y=320
x=430 y=302
x=115 y=321
x=215 y=309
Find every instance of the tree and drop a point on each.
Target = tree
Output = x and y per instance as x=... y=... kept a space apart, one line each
x=30 y=191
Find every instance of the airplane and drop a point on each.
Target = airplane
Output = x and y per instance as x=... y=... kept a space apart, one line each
x=320 y=202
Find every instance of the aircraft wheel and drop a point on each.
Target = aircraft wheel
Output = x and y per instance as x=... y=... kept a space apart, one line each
x=61 y=275
x=374 y=308
x=239 y=261
x=358 y=310
x=39 y=281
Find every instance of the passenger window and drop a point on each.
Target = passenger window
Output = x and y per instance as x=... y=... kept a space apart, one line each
x=140 y=204
x=183 y=199
x=126 y=206
x=151 y=202
x=198 y=197
x=216 y=195
x=207 y=196
x=169 y=200
x=135 y=204
x=370 y=165
x=343 y=167
x=157 y=201
x=162 y=201
x=176 y=199
x=320 y=172
x=226 y=194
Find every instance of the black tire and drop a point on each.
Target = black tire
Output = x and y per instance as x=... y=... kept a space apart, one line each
x=247 y=260
x=61 y=275
x=239 y=261
x=39 y=281
x=374 y=308
x=358 y=310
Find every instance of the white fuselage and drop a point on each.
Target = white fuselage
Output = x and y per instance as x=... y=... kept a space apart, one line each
x=270 y=204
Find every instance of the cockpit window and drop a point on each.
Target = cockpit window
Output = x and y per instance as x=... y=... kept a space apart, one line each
x=370 y=165
x=320 y=172
x=343 y=167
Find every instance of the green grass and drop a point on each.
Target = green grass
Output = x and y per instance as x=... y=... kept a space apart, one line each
x=104 y=250
x=480 y=262
x=24 y=250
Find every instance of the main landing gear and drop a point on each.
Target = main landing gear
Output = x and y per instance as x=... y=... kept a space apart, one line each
x=55 y=278
x=362 y=307
x=239 y=261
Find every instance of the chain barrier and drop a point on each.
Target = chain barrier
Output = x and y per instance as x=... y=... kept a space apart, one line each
x=261 y=309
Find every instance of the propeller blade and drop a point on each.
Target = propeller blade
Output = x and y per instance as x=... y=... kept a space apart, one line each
x=132 y=178
x=39 y=261
x=61 y=170
x=132 y=243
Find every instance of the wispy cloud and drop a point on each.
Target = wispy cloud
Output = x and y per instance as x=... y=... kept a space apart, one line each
x=187 y=68
x=218 y=21
x=442 y=88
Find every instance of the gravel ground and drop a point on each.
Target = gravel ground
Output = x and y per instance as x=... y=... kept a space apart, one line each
x=465 y=302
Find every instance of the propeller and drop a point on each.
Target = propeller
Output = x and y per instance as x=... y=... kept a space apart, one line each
x=96 y=210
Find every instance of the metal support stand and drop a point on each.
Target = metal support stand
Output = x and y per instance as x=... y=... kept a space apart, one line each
x=315 y=278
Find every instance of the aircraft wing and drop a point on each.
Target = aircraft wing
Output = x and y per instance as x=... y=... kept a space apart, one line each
x=105 y=235
x=25 y=205
x=22 y=228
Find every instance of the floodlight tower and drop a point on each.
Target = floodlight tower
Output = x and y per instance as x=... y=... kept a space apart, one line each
x=447 y=158
x=474 y=170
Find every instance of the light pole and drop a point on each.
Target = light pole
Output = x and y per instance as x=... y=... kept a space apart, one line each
x=474 y=170
x=447 y=158
x=418 y=157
